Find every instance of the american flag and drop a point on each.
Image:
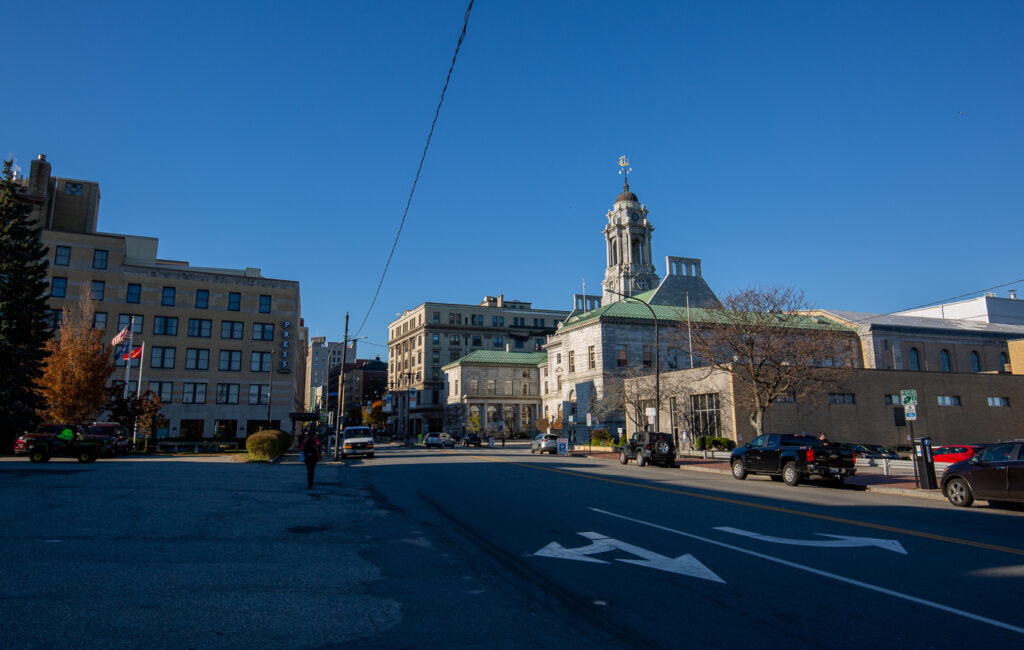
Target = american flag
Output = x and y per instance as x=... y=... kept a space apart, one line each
x=122 y=335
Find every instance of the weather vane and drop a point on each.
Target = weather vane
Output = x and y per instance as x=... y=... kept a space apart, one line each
x=624 y=167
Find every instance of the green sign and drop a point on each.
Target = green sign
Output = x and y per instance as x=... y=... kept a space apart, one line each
x=66 y=434
x=908 y=397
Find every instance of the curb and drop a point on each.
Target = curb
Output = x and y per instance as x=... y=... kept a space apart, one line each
x=914 y=493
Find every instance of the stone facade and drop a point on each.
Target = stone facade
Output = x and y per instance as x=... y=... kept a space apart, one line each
x=499 y=389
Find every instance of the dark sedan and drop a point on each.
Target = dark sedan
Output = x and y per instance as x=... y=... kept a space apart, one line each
x=996 y=475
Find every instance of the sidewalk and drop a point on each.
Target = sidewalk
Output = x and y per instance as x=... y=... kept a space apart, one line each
x=871 y=482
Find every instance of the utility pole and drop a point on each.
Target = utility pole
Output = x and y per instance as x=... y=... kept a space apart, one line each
x=270 y=385
x=341 y=392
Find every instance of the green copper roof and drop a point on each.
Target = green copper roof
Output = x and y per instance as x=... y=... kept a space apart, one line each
x=631 y=310
x=499 y=358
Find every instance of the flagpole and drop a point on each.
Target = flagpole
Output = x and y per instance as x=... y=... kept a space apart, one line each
x=128 y=361
x=142 y=358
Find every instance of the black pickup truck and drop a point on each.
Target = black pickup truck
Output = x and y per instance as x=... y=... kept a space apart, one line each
x=69 y=441
x=792 y=458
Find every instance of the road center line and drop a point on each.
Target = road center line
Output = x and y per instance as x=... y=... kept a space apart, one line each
x=761 y=506
x=824 y=574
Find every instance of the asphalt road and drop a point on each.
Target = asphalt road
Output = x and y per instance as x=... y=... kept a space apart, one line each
x=489 y=548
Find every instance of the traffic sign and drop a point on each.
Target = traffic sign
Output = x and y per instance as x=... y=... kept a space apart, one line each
x=908 y=396
x=910 y=410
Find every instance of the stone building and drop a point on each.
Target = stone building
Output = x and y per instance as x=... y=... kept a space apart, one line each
x=959 y=407
x=423 y=339
x=321 y=356
x=223 y=347
x=495 y=389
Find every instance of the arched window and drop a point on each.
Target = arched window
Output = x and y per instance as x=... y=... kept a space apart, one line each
x=944 y=358
x=572 y=403
x=1003 y=360
x=915 y=359
x=975 y=361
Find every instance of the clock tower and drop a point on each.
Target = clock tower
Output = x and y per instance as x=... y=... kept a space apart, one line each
x=628 y=247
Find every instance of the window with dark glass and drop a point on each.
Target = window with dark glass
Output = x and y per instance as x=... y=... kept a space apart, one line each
x=975 y=362
x=259 y=393
x=234 y=301
x=163 y=389
x=227 y=393
x=59 y=287
x=199 y=327
x=193 y=393
x=62 y=256
x=944 y=360
x=134 y=293
x=231 y=329
x=97 y=290
x=262 y=331
x=230 y=360
x=915 y=359
x=99 y=320
x=197 y=359
x=264 y=304
x=99 y=259
x=124 y=319
x=165 y=325
x=161 y=357
x=167 y=297
x=261 y=361
x=202 y=299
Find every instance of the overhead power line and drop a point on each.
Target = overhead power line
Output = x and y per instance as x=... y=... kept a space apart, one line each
x=437 y=111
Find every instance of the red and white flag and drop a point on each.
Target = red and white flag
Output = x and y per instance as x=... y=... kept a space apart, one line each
x=122 y=335
x=135 y=353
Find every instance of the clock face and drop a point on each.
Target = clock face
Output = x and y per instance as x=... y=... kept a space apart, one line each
x=641 y=283
x=634 y=217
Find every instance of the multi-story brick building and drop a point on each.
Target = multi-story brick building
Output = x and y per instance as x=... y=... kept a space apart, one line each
x=427 y=337
x=224 y=348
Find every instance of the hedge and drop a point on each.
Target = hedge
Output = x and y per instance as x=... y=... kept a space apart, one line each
x=267 y=444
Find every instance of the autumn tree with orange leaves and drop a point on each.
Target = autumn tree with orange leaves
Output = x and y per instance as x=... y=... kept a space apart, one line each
x=76 y=369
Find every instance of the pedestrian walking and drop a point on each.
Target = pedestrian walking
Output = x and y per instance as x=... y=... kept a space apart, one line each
x=311 y=452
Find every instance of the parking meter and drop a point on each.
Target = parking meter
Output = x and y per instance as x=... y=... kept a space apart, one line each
x=925 y=464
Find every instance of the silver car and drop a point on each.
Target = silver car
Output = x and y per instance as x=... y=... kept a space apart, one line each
x=544 y=442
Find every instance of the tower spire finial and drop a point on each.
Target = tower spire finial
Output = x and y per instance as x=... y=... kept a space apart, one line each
x=624 y=169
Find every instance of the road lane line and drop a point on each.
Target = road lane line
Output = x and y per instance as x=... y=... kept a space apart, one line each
x=824 y=574
x=761 y=506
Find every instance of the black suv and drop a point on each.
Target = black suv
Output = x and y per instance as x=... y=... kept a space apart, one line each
x=648 y=447
x=471 y=440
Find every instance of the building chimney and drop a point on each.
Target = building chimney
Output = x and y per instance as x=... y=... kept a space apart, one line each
x=508 y=347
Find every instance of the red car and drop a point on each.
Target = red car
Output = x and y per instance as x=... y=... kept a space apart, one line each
x=954 y=453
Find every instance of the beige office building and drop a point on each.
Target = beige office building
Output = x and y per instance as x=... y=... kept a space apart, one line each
x=224 y=348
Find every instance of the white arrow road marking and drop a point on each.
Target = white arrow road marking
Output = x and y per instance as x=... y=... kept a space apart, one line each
x=840 y=541
x=686 y=565
x=824 y=574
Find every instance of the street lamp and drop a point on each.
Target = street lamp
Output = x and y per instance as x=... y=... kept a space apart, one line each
x=657 y=359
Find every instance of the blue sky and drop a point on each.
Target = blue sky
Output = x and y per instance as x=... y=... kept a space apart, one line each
x=868 y=153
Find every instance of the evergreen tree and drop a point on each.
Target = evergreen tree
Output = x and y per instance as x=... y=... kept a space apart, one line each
x=23 y=330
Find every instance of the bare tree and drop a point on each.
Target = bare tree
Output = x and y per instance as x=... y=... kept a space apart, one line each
x=511 y=424
x=772 y=348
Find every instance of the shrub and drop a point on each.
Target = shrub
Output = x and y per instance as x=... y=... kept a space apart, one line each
x=267 y=444
x=601 y=437
x=721 y=444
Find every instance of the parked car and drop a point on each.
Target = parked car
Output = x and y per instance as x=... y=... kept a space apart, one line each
x=115 y=437
x=954 y=453
x=792 y=457
x=649 y=447
x=544 y=442
x=996 y=474
x=356 y=441
x=439 y=440
x=69 y=441
x=859 y=450
x=882 y=452
x=905 y=452
x=471 y=440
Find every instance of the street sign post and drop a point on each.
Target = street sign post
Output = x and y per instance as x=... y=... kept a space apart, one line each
x=910 y=410
x=908 y=396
